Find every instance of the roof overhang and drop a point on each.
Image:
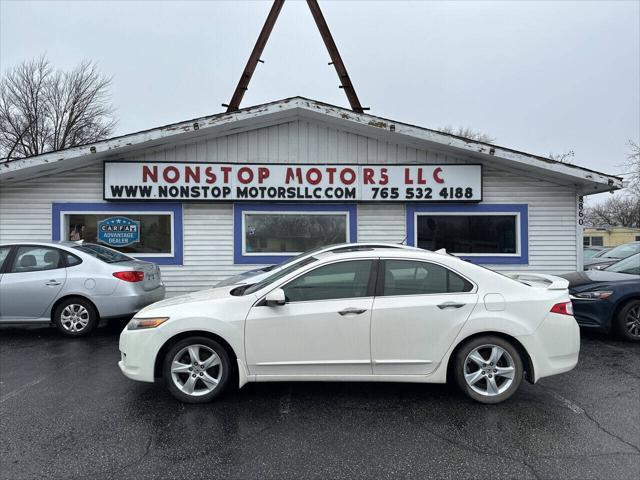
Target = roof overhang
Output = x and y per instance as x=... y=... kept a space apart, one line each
x=586 y=181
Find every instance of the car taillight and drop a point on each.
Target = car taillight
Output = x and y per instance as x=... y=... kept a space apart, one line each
x=564 y=308
x=130 y=276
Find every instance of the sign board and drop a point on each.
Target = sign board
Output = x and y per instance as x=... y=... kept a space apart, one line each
x=292 y=182
x=118 y=231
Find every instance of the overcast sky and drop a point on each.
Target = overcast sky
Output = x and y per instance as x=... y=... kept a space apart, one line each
x=538 y=76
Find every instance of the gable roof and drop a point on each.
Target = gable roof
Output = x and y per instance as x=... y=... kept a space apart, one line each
x=589 y=181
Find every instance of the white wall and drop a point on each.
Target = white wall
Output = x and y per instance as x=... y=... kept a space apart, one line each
x=25 y=208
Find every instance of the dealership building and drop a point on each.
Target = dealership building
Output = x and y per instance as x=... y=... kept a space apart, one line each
x=211 y=197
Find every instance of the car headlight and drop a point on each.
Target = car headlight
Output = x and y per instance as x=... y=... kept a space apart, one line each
x=142 y=323
x=596 y=295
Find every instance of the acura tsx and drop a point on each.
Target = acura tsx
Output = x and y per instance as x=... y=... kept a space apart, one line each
x=383 y=314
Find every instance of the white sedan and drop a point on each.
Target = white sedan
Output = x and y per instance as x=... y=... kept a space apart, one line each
x=388 y=315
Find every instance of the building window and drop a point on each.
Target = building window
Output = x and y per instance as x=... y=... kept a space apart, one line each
x=272 y=233
x=468 y=234
x=586 y=241
x=149 y=232
x=487 y=233
x=637 y=238
x=597 y=241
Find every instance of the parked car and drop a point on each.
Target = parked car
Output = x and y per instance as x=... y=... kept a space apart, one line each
x=594 y=252
x=609 y=299
x=259 y=274
x=383 y=314
x=73 y=285
x=612 y=256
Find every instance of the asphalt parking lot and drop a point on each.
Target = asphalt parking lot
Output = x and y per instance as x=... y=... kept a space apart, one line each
x=67 y=412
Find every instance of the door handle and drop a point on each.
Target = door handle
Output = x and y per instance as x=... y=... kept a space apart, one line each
x=442 y=306
x=352 y=311
x=52 y=283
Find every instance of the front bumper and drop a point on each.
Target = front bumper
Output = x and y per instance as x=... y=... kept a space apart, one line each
x=593 y=313
x=138 y=351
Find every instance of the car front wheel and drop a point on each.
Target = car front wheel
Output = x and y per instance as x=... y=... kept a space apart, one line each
x=488 y=369
x=196 y=370
x=628 y=320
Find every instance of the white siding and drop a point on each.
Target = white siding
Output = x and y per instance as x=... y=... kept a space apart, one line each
x=25 y=208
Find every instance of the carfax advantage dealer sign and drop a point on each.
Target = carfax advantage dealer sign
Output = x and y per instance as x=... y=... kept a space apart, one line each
x=276 y=182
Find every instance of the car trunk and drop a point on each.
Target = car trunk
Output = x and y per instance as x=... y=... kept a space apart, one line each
x=152 y=278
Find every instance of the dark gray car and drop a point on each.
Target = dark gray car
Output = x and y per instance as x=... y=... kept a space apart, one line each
x=612 y=256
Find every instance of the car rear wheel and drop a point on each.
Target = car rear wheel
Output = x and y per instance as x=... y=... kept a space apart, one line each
x=628 y=320
x=196 y=370
x=488 y=369
x=75 y=317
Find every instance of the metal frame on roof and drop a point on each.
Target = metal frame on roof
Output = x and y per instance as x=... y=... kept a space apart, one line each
x=261 y=42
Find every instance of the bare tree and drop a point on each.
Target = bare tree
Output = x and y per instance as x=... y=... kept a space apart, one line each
x=617 y=211
x=43 y=110
x=566 y=157
x=632 y=168
x=467 y=132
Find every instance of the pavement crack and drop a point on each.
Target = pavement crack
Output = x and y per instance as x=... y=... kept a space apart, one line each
x=618 y=437
x=580 y=410
x=463 y=446
x=136 y=461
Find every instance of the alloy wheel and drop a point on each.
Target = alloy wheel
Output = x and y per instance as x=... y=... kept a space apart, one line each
x=74 y=318
x=489 y=370
x=632 y=321
x=196 y=370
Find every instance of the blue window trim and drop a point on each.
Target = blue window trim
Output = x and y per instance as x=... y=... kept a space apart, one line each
x=176 y=208
x=240 y=208
x=522 y=209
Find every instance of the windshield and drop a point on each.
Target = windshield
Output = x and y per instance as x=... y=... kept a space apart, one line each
x=622 y=251
x=293 y=260
x=282 y=273
x=107 y=255
x=628 y=265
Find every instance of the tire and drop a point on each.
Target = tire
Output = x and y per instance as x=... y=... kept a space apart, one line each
x=492 y=383
x=189 y=382
x=627 y=321
x=75 y=317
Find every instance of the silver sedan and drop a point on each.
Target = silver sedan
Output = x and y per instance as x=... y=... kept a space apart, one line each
x=73 y=285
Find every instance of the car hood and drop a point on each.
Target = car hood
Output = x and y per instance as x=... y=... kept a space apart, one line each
x=199 y=296
x=589 y=277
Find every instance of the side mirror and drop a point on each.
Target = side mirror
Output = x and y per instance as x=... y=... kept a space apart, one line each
x=275 y=297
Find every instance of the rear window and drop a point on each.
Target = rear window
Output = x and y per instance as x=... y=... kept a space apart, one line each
x=105 y=254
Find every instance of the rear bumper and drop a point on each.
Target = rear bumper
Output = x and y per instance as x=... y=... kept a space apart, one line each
x=554 y=347
x=122 y=302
